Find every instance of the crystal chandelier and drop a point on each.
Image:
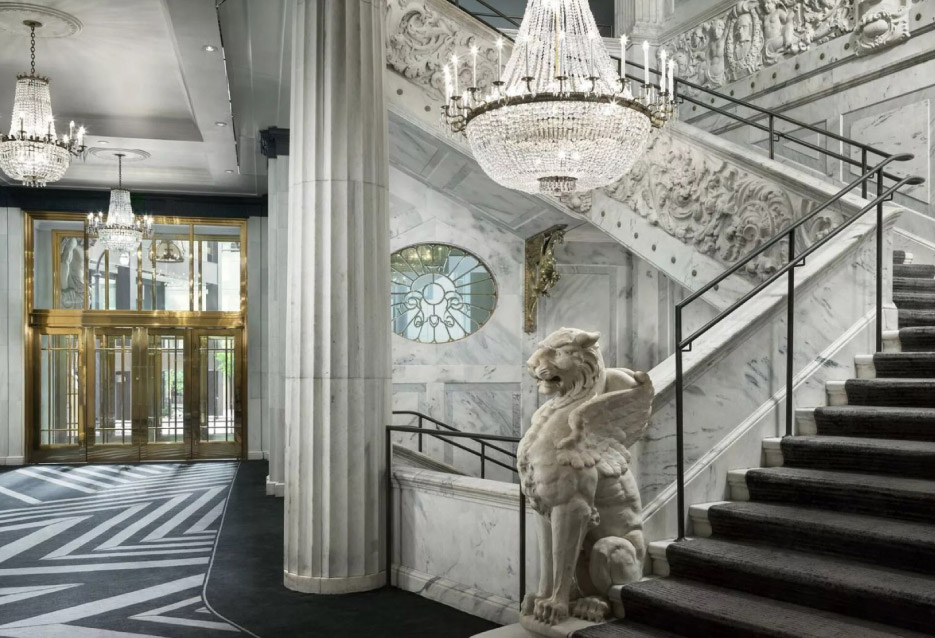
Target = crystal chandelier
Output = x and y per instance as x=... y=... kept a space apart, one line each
x=121 y=231
x=561 y=116
x=32 y=153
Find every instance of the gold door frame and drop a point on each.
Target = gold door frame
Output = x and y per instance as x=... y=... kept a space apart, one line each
x=83 y=322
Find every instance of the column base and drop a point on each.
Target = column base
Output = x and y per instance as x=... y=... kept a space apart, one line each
x=319 y=585
x=275 y=488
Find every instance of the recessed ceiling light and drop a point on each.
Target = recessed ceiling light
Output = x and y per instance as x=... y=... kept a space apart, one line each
x=220 y=123
x=210 y=48
x=103 y=142
x=229 y=171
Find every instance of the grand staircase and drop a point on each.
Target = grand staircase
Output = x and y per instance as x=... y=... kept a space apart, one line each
x=836 y=536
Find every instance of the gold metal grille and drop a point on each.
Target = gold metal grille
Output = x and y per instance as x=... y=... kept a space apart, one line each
x=217 y=366
x=60 y=409
x=168 y=384
x=113 y=401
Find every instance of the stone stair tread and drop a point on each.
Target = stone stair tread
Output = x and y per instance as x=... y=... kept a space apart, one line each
x=623 y=629
x=871 y=529
x=699 y=609
x=808 y=570
x=926 y=271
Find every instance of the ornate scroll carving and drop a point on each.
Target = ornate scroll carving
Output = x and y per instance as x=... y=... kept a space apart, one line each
x=757 y=33
x=713 y=205
x=881 y=23
x=420 y=39
x=540 y=273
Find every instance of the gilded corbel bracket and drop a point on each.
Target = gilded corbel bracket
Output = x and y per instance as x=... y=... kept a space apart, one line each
x=540 y=275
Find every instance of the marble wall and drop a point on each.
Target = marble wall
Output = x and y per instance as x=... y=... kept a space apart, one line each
x=473 y=384
x=12 y=330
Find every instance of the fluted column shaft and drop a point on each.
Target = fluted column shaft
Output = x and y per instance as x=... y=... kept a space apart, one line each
x=277 y=233
x=338 y=324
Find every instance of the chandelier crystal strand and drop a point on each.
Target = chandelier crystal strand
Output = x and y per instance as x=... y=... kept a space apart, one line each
x=121 y=231
x=32 y=152
x=561 y=116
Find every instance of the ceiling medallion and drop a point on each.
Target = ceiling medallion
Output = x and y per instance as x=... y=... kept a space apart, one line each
x=33 y=153
x=121 y=231
x=561 y=117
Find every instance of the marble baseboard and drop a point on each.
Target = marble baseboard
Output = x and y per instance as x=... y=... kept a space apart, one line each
x=12 y=460
x=467 y=599
x=256 y=455
x=275 y=488
x=348 y=585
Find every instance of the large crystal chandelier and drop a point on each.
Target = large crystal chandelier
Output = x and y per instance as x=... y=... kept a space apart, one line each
x=32 y=153
x=561 y=116
x=121 y=231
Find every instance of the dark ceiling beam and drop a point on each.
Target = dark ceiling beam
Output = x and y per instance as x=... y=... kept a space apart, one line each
x=274 y=142
x=156 y=204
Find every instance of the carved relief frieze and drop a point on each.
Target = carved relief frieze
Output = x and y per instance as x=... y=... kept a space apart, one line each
x=421 y=37
x=757 y=33
x=713 y=205
x=881 y=23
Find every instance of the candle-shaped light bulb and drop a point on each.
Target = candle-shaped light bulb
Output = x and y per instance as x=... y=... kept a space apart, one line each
x=646 y=63
x=672 y=79
x=561 y=52
x=81 y=133
x=662 y=71
x=526 y=51
x=454 y=70
x=623 y=55
x=474 y=60
x=448 y=87
x=591 y=55
x=71 y=129
x=499 y=58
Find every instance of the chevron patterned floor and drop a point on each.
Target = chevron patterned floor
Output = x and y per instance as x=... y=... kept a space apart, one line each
x=110 y=551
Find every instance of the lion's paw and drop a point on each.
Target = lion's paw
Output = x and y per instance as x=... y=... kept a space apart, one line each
x=551 y=611
x=529 y=604
x=593 y=608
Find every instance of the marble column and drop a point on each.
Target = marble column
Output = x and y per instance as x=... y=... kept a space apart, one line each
x=277 y=234
x=338 y=319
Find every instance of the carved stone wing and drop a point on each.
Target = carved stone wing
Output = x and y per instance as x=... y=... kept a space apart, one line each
x=603 y=428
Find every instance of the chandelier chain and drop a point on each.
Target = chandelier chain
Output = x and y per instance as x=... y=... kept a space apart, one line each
x=32 y=49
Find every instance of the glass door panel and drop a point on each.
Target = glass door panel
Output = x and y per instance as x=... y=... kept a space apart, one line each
x=218 y=391
x=166 y=394
x=114 y=387
x=58 y=402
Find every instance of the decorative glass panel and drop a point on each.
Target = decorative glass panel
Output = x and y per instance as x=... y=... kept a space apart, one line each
x=440 y=293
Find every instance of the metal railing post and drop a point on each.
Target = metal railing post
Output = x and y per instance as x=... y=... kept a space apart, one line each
x=790 y=334
x=522 y=546
x=772 y=150
x=879 y=263
x=389 y=509
x=863 y=171
x=420 y=434
x=679 y=418
x=483 y=459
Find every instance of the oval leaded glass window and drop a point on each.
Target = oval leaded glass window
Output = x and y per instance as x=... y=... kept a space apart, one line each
x=440 y=293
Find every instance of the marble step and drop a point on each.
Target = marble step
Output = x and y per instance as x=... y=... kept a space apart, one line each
x=894 y=543
x=874 y=494
x=909 y=393
x=692 y=608
x=854 y=454
x=924 y=271
x=909 y=318
x=836 y=584
x=915 y=300
x=623 y=628
x=902 y=257
x=891 y=342
x=912 y=284
x=917 y=339
x=901 y=365
x=912 y=424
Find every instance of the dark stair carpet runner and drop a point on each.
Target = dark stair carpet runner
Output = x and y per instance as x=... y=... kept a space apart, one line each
x=840 y=541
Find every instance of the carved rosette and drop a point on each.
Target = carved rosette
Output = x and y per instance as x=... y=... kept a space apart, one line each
x=420 y=39
x=713 y=205
x=881 y=24
x=757 y=33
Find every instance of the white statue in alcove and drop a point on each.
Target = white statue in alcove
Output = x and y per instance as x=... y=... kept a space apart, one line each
x=573 y=468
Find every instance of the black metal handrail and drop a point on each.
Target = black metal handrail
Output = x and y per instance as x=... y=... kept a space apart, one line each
x=451 y=432
x=484 y=459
